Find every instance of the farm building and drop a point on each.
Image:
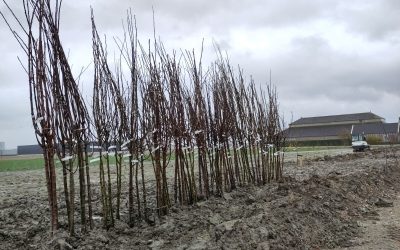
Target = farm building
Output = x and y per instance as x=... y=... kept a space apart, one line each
x=385 y=132
x=36 y=149
x=337 y=129
x=29 y=149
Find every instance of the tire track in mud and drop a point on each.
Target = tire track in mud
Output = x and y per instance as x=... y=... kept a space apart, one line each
x=380 y=232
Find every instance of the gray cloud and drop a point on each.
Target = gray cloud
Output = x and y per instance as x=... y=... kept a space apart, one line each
x=373 y=19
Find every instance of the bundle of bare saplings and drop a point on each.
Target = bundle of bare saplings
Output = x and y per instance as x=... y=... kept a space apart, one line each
x=166 y=132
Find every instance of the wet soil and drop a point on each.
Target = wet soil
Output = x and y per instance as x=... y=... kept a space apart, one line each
x=330 y=202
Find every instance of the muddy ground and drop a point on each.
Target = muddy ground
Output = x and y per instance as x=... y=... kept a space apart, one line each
x=348 y=200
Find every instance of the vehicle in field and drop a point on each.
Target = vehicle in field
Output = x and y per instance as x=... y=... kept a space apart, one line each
x=359 y=142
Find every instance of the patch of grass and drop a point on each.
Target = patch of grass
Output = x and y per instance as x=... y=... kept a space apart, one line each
x=7 y=165
x=25 y=164
x=315 y=148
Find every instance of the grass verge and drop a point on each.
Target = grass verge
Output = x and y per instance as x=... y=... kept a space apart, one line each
x=7 y=165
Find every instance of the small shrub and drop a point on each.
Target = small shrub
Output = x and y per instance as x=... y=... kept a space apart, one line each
x=374 y=139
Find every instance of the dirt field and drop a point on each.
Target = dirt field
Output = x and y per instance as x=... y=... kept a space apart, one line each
x=341 y=201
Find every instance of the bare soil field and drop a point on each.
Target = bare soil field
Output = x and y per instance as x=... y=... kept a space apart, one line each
x=339 y=201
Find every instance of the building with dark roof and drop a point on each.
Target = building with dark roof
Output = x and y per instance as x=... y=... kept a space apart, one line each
x=388 y=132
x=29 y=150
x=348 y=119
x=36 y=149
x=337 y=129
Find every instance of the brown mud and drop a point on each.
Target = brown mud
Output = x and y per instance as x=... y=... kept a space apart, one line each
x=341 y=202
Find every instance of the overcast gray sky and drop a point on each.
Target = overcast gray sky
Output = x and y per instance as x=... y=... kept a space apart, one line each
x=327 y=56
